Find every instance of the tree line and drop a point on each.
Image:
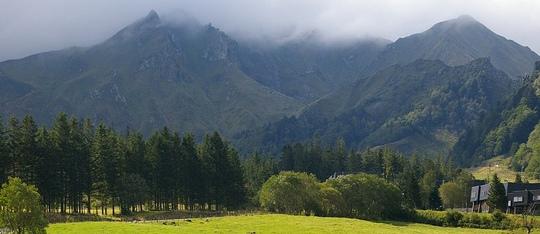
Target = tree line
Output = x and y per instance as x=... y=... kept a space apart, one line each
x=418 y=177
x=77 y=167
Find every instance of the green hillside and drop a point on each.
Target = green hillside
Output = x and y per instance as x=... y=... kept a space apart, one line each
x=504 y=130
x=421 y=107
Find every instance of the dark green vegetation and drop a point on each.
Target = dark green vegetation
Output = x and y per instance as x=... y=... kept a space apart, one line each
x=495 y=220
x=195 y=78
x=355 y=195
x=77 y=167
x=417 y=178
x=510 y=130
x=497 y=194
x=425 y=106
x=20 y=208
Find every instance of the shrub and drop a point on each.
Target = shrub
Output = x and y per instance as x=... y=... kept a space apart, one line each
x=453 y=218
x=20 y=208
x=432 y=217
x=368 y=196
x=498 y=216
x=291 y=193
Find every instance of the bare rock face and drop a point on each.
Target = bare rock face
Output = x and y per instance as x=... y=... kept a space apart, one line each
x=537 y=66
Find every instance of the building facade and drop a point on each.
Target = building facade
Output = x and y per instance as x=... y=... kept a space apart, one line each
x=520 y=196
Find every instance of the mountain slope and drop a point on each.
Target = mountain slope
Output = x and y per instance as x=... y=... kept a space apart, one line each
x=457 y=42
x=424 y=106
x=504 y=129
x=307 y=68
x=150 y=74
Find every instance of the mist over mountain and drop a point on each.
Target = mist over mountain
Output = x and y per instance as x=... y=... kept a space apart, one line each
x=146 y=76
x=420 y=93
x=457 y=42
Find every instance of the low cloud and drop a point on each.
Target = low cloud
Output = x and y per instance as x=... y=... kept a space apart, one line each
x=29 y=26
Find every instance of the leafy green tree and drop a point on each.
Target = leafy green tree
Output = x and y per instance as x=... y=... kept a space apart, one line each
x=20 y=207
x=332 y=202
x=451 y=195
x=368 y=196
x=291 y=193
x=497 y=194
x=429 y=190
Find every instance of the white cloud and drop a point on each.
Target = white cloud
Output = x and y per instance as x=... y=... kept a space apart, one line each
x=30 y=26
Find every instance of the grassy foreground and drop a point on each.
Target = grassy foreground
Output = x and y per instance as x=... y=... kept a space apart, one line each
x=272 y=223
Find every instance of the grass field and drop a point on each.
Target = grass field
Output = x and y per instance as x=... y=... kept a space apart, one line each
x=272 y=223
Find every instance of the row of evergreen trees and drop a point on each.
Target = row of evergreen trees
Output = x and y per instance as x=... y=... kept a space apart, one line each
x=77 y=167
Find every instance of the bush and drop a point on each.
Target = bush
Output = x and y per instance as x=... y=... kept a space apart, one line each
x=472 y=220
x=20 y=208
x=368 y=196
x=432 y=217
x=291 y=193
x=498 y=216
x=453 y=218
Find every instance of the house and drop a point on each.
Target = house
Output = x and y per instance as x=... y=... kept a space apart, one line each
x=519 y=195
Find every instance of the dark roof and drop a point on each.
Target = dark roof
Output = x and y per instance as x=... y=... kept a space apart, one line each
x=481 y=192
x=511 y=187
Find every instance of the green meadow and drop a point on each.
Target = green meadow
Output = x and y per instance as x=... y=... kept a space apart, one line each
x=270 y=223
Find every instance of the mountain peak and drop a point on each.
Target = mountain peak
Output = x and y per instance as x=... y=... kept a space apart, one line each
x=152 y=16
x=464 y=19
x=458 y=24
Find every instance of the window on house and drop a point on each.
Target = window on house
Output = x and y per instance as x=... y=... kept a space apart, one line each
x=518 y=199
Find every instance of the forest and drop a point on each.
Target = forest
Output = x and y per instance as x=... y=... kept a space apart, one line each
x=78 y=167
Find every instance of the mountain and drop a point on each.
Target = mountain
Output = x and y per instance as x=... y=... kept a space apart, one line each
x=307 y=68
x=502 y=131
x=457 y=42
x=419 y=93
x=149 y=75
x=424 y=106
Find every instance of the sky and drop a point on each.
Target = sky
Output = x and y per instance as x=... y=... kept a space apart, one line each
x=32 y=26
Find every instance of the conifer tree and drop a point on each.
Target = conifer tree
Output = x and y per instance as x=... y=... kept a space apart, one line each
x=193 y=177
x=497 y=194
